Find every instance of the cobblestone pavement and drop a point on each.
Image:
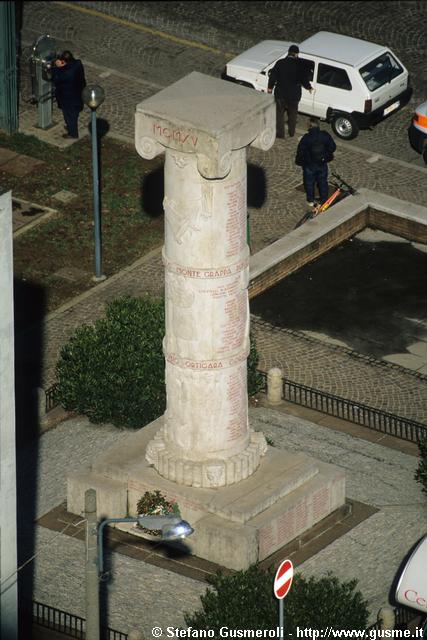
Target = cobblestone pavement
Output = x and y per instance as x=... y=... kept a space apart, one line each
x=227 y=28
x=146 y=595
x=343 y=373
x=235 y=26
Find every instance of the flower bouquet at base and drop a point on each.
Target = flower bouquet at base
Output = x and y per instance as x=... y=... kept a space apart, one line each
x=154 y=503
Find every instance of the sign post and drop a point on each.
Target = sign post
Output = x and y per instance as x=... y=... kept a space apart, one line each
x=282 y=585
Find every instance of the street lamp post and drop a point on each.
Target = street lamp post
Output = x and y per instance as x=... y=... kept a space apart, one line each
x=93 y=96
x=171 y=527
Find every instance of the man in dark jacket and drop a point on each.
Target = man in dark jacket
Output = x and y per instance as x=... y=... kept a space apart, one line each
x=315 y=149
x=69 y=80
x=287 y=76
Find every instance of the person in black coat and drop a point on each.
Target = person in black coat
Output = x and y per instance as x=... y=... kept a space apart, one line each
x=287 y=76
x=69 y=79
x=315 y=149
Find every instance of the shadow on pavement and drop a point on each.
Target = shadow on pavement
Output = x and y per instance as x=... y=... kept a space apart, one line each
x=29 y=310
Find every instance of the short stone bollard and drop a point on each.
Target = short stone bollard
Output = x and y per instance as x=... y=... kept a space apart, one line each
x=386 y=618
x=274 y=386
x=135 y=635
x=39 y=396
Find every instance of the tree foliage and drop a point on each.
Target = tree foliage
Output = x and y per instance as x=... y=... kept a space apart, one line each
x=113 y=371
x=245 y=600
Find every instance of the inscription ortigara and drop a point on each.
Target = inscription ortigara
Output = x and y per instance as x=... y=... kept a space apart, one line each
x=186 y=363
x=174 y=134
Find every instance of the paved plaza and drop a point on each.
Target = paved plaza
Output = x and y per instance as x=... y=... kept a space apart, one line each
x=143 y=596
x=123 y=52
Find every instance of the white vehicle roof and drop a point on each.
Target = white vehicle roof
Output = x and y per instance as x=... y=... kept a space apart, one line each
x=261 y=55
x=325 y=44
x=422 y=109
x=345 y=49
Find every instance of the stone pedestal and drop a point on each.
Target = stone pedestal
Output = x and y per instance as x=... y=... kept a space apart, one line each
x=234 y=526
x=244 y=501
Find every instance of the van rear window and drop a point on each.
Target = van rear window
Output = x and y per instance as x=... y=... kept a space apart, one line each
x=380 y=71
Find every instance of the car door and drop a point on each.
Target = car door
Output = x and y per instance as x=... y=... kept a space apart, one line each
x=332 y=89
x=306 y=102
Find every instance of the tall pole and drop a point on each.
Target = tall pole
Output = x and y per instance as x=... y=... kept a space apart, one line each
x=91 y=569
x=8 y=552
x=281 y=620
x=97 y=216
x=8 y=69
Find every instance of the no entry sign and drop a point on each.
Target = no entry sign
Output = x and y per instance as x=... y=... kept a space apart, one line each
x=283 y=579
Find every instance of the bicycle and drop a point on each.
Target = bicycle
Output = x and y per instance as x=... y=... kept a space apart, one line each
x=342 y=190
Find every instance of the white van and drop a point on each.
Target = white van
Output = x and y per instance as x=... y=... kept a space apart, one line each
x=356 y=83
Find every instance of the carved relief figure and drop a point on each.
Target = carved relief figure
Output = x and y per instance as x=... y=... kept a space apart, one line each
x=180 y=296
x=187 y=215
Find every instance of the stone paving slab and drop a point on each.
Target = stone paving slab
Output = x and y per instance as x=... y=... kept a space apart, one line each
x=6 y=155
x=26 y=215
x=21 y=165
x=64 y=196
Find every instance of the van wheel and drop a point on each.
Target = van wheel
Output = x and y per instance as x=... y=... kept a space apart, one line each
x=425 y=155
x=344 y=126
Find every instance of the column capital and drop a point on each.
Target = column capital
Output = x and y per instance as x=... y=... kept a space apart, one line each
x=208 y=117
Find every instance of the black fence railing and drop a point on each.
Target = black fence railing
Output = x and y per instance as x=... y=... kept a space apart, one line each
x=51 y=398
x=68 y=623
x=332 y=405
x=352 y=411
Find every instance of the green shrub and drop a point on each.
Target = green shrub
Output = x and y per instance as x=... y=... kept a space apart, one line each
x=421 y=472
x=255 y=379
x=245 y=600
x=113 y=371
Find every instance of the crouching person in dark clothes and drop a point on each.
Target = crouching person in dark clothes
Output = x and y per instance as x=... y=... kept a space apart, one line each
x=69 y=79
x=315 y=149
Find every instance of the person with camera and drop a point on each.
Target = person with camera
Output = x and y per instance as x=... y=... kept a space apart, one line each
x=315 y=149
x=69 y=79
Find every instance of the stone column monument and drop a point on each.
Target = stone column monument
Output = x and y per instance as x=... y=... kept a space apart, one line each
x=245 y=500
x=206 y=440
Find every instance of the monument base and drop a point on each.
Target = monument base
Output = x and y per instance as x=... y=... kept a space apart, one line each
x=236 y=525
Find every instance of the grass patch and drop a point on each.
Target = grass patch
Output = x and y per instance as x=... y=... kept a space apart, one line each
x=131 y=212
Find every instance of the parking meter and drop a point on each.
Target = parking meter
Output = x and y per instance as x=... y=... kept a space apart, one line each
x=43 y=55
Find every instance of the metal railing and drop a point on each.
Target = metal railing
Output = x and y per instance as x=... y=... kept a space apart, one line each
x=51 y=399
x=332 y=405
x=352 y=411
x=68 y=623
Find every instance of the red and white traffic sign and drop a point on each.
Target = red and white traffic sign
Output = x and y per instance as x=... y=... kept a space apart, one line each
x=283 y=579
